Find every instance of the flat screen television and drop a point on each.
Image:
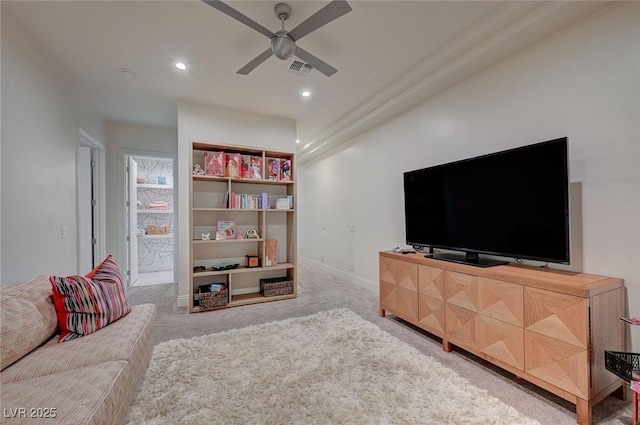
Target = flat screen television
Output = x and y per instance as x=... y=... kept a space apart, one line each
x=513 y=203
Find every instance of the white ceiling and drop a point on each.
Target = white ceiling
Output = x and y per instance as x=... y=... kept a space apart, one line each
x=390 y=56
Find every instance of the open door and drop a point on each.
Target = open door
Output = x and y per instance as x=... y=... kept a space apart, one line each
x=132 y=237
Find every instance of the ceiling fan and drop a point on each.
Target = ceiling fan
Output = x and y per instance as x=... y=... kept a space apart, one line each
x=283 y=43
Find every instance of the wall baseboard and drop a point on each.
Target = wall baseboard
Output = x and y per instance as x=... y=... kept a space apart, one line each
x=367 y=284
x=183 y=300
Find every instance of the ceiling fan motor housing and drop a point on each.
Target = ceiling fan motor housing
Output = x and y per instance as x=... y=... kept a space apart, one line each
x=283 y=46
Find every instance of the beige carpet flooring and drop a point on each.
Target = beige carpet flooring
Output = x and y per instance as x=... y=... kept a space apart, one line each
x=319 y=290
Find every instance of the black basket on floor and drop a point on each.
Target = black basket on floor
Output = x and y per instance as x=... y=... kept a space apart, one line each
x=622 y=364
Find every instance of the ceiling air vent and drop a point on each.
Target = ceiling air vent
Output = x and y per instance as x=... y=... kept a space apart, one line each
x=300 y=69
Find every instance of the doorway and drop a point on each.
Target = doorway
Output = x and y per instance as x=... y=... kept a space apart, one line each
x=90 y=202
x=150 y=219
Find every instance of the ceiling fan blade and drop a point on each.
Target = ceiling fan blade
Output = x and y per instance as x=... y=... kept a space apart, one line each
x=331 y=11
x=228 y=10
x=318 y=64
x=254 y=63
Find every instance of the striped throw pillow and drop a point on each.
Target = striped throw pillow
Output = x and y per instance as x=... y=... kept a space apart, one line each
x=85 y=304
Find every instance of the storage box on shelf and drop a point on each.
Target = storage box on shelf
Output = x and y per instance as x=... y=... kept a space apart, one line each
x=548 y=327
x=249 y=202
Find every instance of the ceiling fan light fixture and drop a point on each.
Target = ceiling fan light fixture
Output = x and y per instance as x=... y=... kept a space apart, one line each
x=282 y=46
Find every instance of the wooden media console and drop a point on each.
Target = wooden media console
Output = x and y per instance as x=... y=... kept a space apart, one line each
x=546 y=326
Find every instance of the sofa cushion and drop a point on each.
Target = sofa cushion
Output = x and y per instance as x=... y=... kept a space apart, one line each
x=85 y=304
x=92 y=395
x=27 y=318
x=130 y=338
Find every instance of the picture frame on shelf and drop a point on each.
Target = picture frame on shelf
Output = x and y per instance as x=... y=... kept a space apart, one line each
x=226 y=229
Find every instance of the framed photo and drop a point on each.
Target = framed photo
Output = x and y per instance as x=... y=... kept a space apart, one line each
x=226 y=230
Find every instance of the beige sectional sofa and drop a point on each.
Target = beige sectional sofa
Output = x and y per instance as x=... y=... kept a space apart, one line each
x=88 y=380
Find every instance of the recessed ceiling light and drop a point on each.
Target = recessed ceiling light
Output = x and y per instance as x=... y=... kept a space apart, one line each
x=306 y=93
x=181 y=66
x=297 y=141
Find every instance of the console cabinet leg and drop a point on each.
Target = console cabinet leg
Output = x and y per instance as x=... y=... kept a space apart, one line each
x=382 y=312
x=446 y=346
x=583 y=412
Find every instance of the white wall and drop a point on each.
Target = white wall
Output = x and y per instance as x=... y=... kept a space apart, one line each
x=123 y=139
x=222 y=126
x=40 y=120
x=583 y=83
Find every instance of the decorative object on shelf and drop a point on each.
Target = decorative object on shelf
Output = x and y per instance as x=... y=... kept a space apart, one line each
x=156 y=205
x=256 y=167
x=141 y=180
x=206 y=236
x=226 y=229
x=162 y=180
x=273 y=169
x=283 y=204
x=252 y=261
x=233 y=161
x=271 y=252
x=252 y=234
x=285 y=170
x=274 y=286
x=225 y=266
x=199 y=268
x=198 y=170
x=214 y=163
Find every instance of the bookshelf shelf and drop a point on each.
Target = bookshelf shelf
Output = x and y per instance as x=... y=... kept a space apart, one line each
x=209 y=196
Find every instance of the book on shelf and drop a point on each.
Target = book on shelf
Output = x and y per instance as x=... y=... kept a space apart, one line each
x=214 y=163
x=244 y=201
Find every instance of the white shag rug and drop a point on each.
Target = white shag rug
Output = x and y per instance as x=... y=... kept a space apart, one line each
x=332 y=367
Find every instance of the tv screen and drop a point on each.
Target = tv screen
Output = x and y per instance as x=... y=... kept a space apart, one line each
x=513 y=203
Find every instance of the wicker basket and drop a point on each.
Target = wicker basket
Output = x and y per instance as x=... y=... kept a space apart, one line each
x=211 y=300
x=273 y=286
x=625 y=365
x=162 y=229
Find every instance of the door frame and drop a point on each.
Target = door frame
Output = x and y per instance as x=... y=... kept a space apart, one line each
x=99 y=195
x=124 y=155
